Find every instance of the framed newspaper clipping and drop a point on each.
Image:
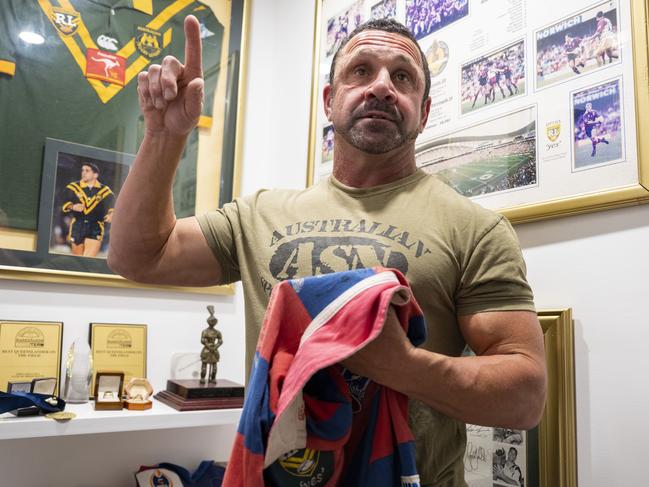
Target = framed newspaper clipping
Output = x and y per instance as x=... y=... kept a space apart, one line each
x=535 y=105
x=69 y=109
x=547 y=455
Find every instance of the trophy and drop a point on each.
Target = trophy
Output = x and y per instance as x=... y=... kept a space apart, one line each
x=78 y=372
x=211 y=339
x=207 y=392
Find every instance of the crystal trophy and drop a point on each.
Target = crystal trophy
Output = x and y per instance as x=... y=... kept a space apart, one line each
x=78 y=372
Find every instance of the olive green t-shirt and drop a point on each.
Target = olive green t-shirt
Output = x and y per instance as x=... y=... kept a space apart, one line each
x=458 y=257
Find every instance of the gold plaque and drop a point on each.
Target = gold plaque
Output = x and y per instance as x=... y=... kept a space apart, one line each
x=119 y=348
x=30 y=350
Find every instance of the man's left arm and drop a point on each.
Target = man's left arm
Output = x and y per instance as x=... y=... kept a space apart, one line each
x=503 y=385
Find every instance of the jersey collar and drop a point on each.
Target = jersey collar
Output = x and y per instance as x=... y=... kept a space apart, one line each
x=86 y=185
x=144 y=6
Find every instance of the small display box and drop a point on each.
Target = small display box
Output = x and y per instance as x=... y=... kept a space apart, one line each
x=108 y=390
x=138 y=394
x=45 y=385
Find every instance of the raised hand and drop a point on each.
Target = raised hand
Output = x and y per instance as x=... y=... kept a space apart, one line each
x=171 y=93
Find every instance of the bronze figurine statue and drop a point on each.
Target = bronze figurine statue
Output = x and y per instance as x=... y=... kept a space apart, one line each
x=211 y=339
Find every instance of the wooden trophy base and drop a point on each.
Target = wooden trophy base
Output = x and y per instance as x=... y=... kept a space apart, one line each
x=194 y=395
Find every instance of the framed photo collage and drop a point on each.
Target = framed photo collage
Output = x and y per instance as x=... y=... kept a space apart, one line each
x=533 y=104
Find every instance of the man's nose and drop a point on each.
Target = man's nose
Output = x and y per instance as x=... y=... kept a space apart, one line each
x=382 y=87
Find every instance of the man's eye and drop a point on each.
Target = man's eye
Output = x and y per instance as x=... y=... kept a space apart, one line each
x=402 y=76
x=360 y=71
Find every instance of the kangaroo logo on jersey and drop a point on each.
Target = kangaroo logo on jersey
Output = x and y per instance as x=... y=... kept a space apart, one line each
x=105 y=66
x=148 y=42
x=66 y=21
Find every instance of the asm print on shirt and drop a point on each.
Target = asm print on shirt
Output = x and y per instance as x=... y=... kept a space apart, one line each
x=316 y=247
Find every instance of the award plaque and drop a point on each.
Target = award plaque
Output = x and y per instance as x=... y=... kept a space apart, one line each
x=30 y=350
x=108 y=390
x=119 y=347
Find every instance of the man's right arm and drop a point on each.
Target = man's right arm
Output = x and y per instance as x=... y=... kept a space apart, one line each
x=147 y=243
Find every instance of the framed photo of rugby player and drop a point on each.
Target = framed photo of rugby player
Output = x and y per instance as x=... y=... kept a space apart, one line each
x=547 y=455
x=597 y=125
x=68 y=71
x=536 y=110
x=585 y=41
x=78 y=192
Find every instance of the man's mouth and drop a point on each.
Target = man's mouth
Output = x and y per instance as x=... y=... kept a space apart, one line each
x=377 y=116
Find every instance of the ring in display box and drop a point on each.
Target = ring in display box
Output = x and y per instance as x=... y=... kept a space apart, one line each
x=108 y=390
x=138 y=394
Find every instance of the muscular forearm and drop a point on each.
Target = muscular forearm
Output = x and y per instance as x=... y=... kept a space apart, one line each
x=494 y=390
x=144 y=218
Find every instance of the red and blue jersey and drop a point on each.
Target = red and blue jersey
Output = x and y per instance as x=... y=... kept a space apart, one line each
x=306 y=419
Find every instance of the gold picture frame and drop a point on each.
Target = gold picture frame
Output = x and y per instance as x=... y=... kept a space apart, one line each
x=571 y=203
x=218 y=168
x=546 y=456
x=557 y=430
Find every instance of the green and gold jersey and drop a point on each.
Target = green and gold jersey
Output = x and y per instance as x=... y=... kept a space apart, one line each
x=68 y=70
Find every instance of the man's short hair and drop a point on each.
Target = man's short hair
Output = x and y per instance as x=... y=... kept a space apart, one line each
x=385 y=25
x=92 y=166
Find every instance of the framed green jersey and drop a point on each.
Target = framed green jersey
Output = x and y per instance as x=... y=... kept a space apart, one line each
x=68 y=72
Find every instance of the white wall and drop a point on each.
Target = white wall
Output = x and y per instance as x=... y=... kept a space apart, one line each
x=595 y=264
x=598 y=264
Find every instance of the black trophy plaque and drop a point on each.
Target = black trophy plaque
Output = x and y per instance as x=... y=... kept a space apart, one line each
x=194 y=395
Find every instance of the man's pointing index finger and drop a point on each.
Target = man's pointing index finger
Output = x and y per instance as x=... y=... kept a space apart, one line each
x=193 y=49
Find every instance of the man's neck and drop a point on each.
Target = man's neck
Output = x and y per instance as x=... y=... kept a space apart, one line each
x=358 y=169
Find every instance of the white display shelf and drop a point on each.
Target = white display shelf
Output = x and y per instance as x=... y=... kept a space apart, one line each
x=88 y=421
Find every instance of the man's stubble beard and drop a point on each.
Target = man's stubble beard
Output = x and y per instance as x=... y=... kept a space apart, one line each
x=378 y=140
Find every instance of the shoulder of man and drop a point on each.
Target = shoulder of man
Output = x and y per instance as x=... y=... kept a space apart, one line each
x=461 y=212
x=273 y=198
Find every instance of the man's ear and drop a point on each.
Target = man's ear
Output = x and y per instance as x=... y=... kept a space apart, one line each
x=425 y=111
x=327 y=98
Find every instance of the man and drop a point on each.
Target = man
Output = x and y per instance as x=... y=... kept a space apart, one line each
x=573 y=48
x=509 y=473
x=606 y=35
x=508 y=74
x=91 y=204
x=591 y=120
x=462 y=261
x=482 y=89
